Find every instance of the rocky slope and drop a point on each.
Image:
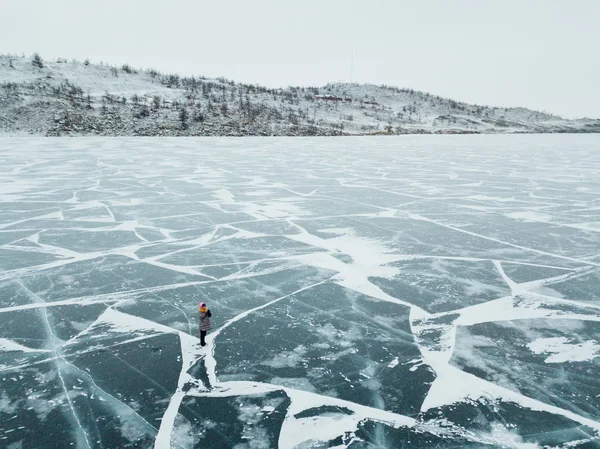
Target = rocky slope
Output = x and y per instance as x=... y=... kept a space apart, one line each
x=79 y=98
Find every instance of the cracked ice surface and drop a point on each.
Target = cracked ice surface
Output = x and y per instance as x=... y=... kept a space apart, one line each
x=366 y=293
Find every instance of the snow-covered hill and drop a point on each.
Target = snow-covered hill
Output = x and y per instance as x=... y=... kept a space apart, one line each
x=80 y=98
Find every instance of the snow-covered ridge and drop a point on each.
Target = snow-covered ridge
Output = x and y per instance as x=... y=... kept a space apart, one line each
x=80 y=98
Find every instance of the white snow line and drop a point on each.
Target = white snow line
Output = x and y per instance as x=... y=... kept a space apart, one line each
x=453 y=385
x=66 y=392
x=303 y=400
x=48 y=215
x=210 y=362
x=167 y=422
x=190 y=355
x=531 y=264
x=109 y=212
x=566 y=301
x=65 y=302
x=177 y=268
x=109 y=396
x=52 y=339
x=514 y=287
x=11 y=346
x=73 y=354
x=530 y=285
x=502 y=242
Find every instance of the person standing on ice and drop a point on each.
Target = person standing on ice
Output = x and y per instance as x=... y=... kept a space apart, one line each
x=204 y=322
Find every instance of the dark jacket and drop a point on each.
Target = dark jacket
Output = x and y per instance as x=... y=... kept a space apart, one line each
x=205 y=320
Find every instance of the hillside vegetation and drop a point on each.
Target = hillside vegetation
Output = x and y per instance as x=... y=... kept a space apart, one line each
x=59 y=97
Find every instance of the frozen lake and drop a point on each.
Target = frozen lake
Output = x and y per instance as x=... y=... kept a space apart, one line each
x=426 y=291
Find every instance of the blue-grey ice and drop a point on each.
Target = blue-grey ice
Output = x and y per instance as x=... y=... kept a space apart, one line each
x=419 y=291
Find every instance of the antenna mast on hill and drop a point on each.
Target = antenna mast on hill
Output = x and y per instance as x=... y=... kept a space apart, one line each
x=352 y=64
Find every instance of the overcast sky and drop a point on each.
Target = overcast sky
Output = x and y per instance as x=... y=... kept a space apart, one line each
x=541 y=54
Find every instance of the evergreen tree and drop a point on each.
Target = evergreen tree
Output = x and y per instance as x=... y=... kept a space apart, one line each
x=198 y=114
x=37 y=61
x=142 y=111
x=183 y=116
x=155 y=102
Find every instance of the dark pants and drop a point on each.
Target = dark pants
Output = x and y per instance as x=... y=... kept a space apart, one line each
x=202 y=336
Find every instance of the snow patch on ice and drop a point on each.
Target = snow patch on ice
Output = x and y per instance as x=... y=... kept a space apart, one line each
x=287 y=359
x=453 y=385
x=530 y=216
x=296 y=383
x=224 y=196
x=182 y=435
x=590 y=226
x=6 y=405
x=283 y=208
x=130 y=426
x=510 y=439
x=10 y=346
x=259 y=193
x=563 y=351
